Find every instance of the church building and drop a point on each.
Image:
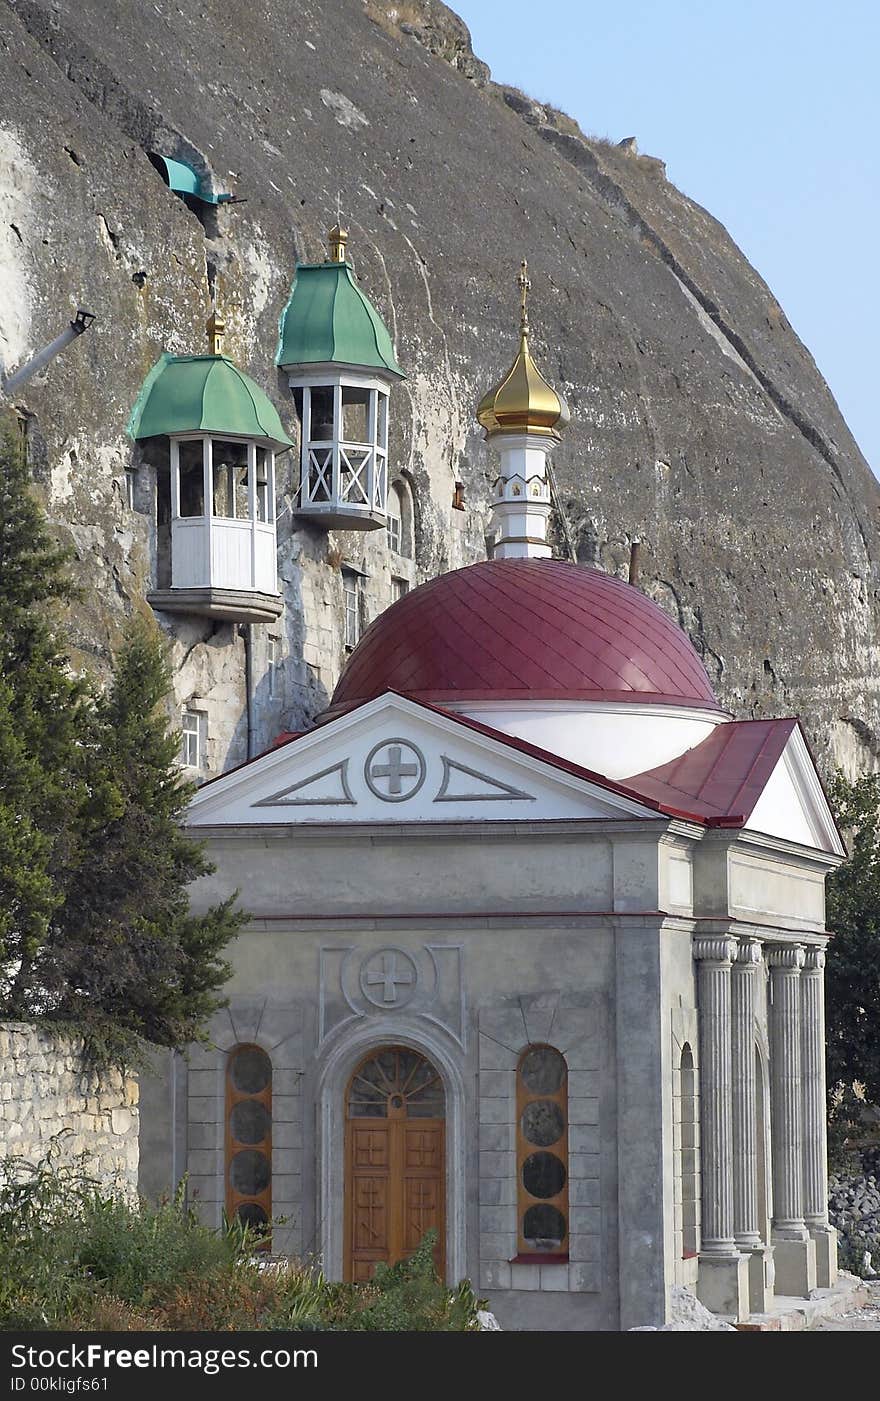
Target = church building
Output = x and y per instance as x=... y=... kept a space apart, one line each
x=535 y=942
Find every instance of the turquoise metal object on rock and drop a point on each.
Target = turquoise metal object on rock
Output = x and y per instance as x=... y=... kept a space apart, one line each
x=183 y=180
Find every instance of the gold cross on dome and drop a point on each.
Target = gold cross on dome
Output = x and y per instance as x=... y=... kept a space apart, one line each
x=524 y=288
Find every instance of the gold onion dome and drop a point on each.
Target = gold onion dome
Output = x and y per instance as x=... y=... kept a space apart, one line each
x=523 y=401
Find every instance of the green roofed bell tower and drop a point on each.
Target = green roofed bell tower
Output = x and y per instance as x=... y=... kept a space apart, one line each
x=340 y=363
x=215 y=435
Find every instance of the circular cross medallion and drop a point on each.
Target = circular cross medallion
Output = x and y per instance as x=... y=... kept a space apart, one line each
x=388 y=978
x=395 y=770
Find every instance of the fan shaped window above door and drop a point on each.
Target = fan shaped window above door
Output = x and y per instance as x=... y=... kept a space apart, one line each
x=396 y=1082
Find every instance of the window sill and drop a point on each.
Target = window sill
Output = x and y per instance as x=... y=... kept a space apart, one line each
x=538 y=1259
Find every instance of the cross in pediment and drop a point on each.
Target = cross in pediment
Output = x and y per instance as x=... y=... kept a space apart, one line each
x=394 y=770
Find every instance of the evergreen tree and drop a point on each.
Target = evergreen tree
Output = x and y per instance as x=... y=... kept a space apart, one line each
x=42 y=711
x=127 y=959
x=853 y=969
x=95 y=927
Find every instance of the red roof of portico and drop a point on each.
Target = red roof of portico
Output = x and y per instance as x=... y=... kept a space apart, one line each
x=525 y=629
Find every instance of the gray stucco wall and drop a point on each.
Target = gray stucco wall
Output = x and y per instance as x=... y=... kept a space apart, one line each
x=509 y=934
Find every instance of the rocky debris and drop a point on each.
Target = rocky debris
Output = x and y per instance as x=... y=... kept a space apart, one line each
x=488 y=1322
x=863 y=1320
x=687 y=1315
x=854 y=1210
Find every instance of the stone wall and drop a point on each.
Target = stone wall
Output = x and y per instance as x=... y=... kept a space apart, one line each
x=48 y=1095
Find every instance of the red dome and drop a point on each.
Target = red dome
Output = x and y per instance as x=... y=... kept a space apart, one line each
x=525 y=629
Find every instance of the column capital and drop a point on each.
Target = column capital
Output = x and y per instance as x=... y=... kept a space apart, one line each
x=814 y=959
x=749 y=952
x=789 y=956
x=714 y=948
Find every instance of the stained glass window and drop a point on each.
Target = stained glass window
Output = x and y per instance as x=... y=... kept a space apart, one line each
x=542 y=1154
x=249 y=1137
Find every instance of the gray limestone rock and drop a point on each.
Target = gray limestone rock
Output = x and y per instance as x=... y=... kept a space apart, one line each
x=700 y=422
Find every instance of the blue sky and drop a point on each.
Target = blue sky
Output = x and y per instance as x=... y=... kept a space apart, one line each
x=765 y=111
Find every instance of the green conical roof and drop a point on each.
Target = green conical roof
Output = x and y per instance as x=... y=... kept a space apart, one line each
x=204 y=394
x=328 y=318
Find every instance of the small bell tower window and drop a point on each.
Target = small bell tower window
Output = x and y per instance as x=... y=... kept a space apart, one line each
x=265 y=504
x=192 y=478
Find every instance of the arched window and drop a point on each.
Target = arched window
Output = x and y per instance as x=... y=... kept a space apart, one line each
x=399 y=520
x=249 y=1137
x=689 y=1155
x=542 y=1155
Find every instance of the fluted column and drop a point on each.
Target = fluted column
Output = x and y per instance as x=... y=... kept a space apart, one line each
x=746 y=1221
x=813 y=1080
x=795 y=1252
x=714 y=959
x=722 y=1276
x=786 y=962
x=815 y=1150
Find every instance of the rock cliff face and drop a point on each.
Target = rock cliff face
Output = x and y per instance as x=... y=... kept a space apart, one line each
x=700 y=422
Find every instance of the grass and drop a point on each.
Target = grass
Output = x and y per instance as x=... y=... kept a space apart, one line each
x=75 y=1255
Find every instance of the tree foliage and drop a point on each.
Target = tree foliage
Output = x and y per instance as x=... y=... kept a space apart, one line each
x=95 y=926
x=853 y=969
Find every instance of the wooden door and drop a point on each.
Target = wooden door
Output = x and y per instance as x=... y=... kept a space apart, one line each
x=395 y=1182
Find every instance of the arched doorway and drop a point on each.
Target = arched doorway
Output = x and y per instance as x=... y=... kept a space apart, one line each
x=395 y=1170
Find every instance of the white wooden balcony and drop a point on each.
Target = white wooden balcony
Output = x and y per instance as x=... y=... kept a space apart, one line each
x=223 y=558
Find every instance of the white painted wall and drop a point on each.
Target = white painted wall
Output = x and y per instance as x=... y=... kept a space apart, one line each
x=617 y=741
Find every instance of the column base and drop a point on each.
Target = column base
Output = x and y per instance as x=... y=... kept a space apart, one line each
x=825 y=1238
x=795 y=1262
x=723 y=1285
x=761 y=1276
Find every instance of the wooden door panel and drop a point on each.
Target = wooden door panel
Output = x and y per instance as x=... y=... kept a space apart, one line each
x=361 y=1271
x=422 y=1147
x=370 y=1215
x=422 y=1210
x=369 y=1147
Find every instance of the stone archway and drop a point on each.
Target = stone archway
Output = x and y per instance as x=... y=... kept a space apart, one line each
x=339 y=1062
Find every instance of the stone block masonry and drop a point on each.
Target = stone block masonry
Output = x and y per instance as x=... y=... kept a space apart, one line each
x=50 y=1096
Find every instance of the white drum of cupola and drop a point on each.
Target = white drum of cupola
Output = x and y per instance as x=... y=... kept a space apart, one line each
x=340 y=365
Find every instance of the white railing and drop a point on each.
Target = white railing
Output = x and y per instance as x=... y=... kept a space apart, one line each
x=341 y=476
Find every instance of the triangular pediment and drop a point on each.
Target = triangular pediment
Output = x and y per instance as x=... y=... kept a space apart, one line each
x=793 y=805
x=394 y=760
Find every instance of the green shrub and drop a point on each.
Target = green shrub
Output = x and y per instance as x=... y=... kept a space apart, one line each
x=74 y=1255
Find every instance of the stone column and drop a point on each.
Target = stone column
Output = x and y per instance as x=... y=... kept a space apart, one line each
x=746 y=1230
x=794 y=1250
x=814 y=1111
x=722 y=1281
x=746 y=1218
